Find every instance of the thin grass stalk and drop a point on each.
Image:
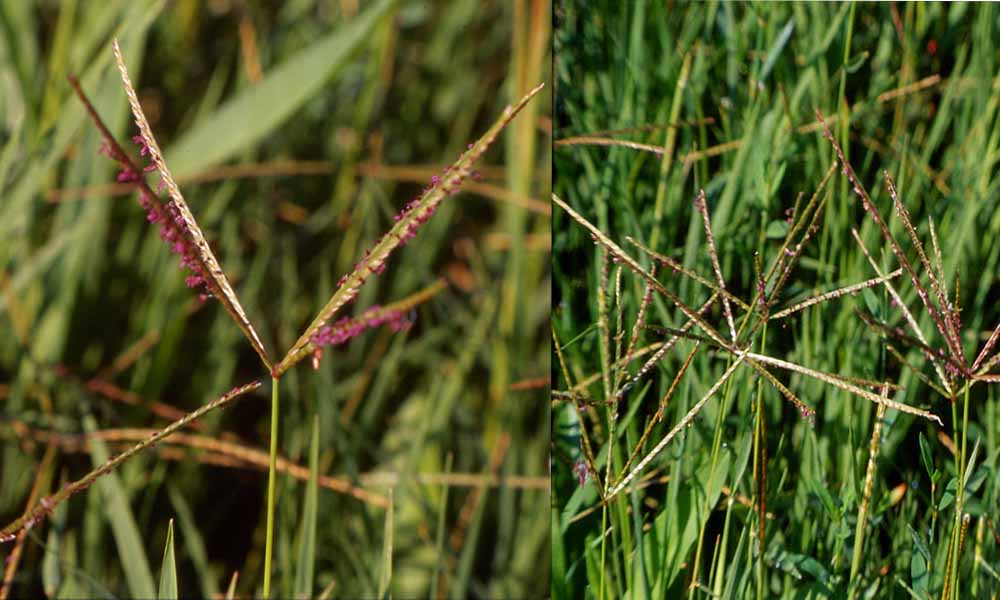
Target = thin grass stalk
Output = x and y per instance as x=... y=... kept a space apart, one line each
x=241 y=454
x=837 y=382
x=912 y=322
x=588 y=452
x=760 y=473
x=898 y=333
x=794 y=254
x=915 y=370
x=680 y=124
x=960 y=492
x=621 y=364
x=701 y=205
x=271 y=480
x=619 y=331
x=612 y=404
x=832 y=295
x=872 y=210
x=938 y=262
x=994 y=336
x=951 y=315
x=859 y=531
x=660 y=411
x=603 y=330
x=795 y=221
x=591 y=379
x=684 y=422
x=43 y=480
x=676 y=266
x=621 y=255
x=666 y=346
x=30 y=519
x=210 y=265
x=584 y=140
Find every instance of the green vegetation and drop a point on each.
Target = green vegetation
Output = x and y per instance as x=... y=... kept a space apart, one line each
x=778 y=464
x=412 y=460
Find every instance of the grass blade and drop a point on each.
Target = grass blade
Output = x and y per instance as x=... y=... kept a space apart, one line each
x=441 y=561
x=247 y=118
x=307 y=531
x=168 y=572
x=128 y=540
x=385 y=569
x=231 y=590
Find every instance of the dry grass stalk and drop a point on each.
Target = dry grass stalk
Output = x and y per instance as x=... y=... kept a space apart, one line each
x=701 y=205
x=28 y=520
x=912 y=322
x=851 y=289
x=43 y=479
x=684 y=422
x=935 y=312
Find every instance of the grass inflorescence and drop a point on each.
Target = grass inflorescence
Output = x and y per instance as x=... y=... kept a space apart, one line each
x=784 y=202
x=115 y=344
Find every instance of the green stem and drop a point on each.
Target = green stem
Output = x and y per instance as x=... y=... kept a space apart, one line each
x=960 y=494
x=604 y=528
x=270 y=487
x=759 y=460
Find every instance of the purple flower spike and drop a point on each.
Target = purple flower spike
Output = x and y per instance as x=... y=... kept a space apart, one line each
x=347 y=328
x=143 y=146
x=127 y=175
x=581 y=471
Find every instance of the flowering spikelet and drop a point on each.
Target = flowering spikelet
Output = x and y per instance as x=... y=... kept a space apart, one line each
x=347 y=328
x=173 y=229
x=581 y=471
x=407 y=222
x=209 y=275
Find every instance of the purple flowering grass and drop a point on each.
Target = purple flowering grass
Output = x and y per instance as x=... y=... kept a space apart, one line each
x=173 y=229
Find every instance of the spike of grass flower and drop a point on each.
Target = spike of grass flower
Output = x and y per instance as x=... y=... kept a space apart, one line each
x=738 y=347
x=958 y=376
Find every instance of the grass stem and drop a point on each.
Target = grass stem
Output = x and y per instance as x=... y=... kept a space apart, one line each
x=270 y=487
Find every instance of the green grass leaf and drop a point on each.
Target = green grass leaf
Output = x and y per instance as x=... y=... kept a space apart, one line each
x=243 y=121
x=131 y=551
x=307 y=529
x=385 y=567
x=168 y=572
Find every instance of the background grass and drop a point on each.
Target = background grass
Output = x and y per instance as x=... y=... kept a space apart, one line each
x=86 y=282
x=759 y=70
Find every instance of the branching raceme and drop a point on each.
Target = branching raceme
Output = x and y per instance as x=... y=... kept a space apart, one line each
x=180 y=231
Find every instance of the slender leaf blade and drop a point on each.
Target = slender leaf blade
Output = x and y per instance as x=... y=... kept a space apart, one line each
x=168 y=572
